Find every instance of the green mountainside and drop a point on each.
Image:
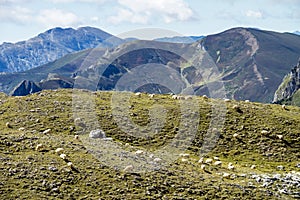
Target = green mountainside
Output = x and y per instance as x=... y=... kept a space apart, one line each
x=260 y=140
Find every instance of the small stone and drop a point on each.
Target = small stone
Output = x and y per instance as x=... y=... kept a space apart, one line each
x=8 y=125
x=46 y=131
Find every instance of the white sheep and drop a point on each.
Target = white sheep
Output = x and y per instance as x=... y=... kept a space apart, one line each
x=39 y=147
x=201 y=160
x=226 y=100
x=205 y=97
x=202 y=167
x=151 y=95
x=280 y=137
x=174 y=96
x=283 y=107
x=208 y=160
x=185 y=155
x=157 y=160
x=63 y=156
x=59 y=150
x=216 y=158
x=70 y=164
x=253 y=166
x=264 y=132
x=188 y=98
x=139 y=152
x=138 y=94
x=247 y=101
x=218 y=163
x=76 y=137
x=184 y=160
x=21 y=129
x=235 y=135
x=230 y=166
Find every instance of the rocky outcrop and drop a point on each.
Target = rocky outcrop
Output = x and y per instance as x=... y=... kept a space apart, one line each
x=53 y=81
x=289 y=86
x=51 y=45
x=25 y=87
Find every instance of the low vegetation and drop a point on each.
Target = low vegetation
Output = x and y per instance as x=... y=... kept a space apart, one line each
x=257 y=151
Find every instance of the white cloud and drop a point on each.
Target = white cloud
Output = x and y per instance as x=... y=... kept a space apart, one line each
x=83 y=1
x=55 y=17
x=254 y=14
x=142 y=11
x=19 y=15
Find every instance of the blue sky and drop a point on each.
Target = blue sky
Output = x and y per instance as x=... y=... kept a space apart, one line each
x=23 y=19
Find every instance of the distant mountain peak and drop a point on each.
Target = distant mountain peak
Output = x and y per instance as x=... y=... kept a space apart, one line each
x=51 y=45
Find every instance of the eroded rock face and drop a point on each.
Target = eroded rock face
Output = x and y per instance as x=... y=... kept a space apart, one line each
x=289 y=85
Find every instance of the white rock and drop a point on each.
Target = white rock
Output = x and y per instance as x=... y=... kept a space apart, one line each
x=46 y=131
x=97 y=134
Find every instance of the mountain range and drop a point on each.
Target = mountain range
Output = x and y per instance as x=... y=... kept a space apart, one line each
x=250 y=63
x=51 y=45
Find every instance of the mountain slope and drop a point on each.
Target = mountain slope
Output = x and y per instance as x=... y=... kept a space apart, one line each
x=266 y=166
x=288 y=91
x=253 y=62
x=51 y=45
x=180 y=39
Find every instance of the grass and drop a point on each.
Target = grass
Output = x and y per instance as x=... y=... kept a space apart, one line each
x=30 y=174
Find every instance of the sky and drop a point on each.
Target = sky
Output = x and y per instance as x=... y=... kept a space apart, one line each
x=24 y=19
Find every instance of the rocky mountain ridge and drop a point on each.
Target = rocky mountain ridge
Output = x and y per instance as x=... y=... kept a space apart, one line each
x=51 y=45
x=289 y=86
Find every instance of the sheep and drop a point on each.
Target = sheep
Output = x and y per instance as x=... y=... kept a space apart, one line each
x=174 y=96
x=39 y=147
x=128 y=168
x=284 y=107
x=188 y=98
x=59 y=150
x=216 y=158
x=226 y=175
x=201 y=160
x=226 y=100
x=208 y=160
x=157 y=160
x=202 y=167
x=204 y=97
x=185 y=155
x=280 y=137
x=70 y=164
x=8 y=125
x=264 y=132
x=151 y=95
x=253 y=166
x=218 y=163
x=235 y=135
x=181 y=97
x=63 y=156
x=230 y=166
x=138 y=94
x=76 y=137
x=247 y=101
x=184 y=160
x=139 y=152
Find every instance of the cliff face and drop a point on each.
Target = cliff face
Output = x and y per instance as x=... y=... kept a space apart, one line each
x=289 y=86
